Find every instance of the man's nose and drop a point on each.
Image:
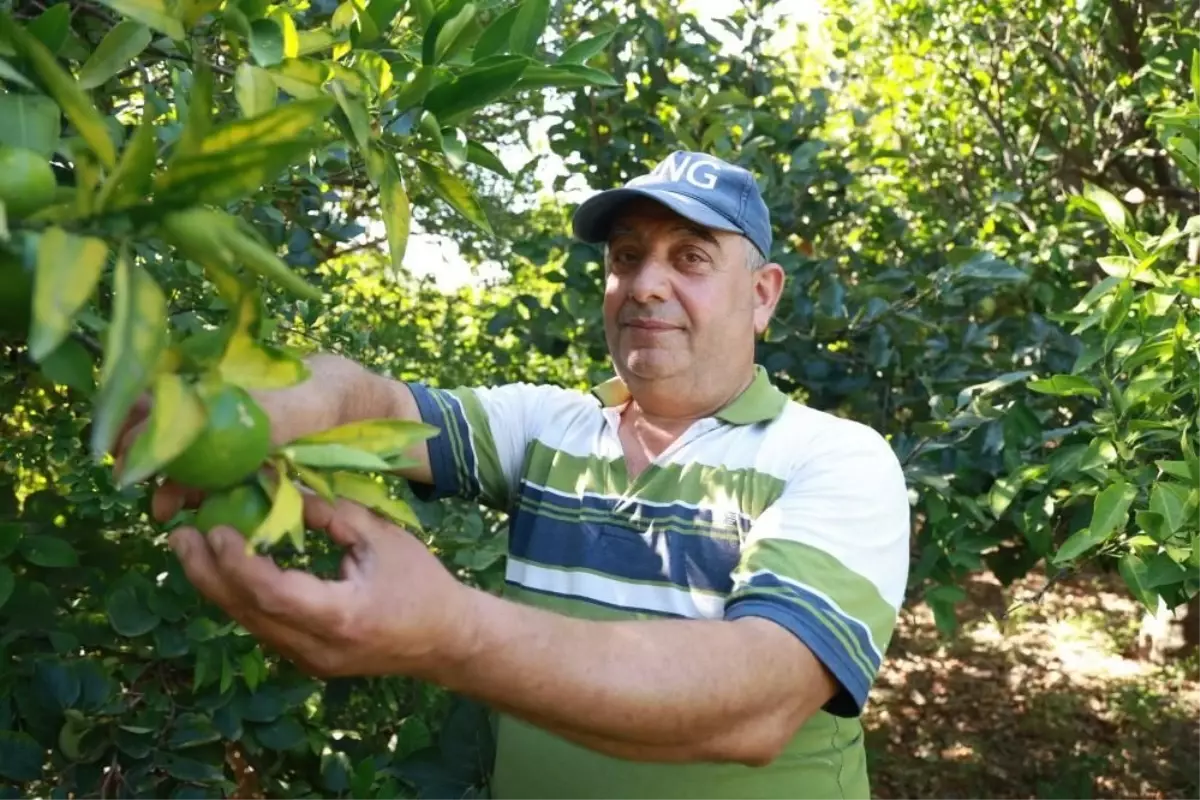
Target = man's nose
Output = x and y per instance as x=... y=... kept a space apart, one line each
x=652 y=282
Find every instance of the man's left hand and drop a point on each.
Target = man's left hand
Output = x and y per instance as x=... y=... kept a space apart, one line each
x=395 y=610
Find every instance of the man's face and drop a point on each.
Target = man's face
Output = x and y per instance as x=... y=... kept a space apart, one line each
x=680 y=302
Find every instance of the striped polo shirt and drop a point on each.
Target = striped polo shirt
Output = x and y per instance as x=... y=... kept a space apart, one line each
x=768 y=509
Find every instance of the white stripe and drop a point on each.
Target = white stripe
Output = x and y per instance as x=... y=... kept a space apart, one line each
x=744 y=578
x=614 y=592
x=718 y=512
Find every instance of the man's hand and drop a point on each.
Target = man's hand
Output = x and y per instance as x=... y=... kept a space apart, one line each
x=337 y=391
x=395 y=610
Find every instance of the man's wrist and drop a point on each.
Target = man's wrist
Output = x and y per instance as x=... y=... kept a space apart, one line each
x=464 y=642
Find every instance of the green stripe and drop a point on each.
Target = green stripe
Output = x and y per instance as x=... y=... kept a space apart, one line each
x=580 y=609
x=611 y=577
x=675 y=523
x=456 y=443
x=493 y=482
x=749 y=490
x=811 y=566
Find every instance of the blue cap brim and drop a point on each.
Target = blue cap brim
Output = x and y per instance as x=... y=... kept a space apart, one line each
x=595 y=216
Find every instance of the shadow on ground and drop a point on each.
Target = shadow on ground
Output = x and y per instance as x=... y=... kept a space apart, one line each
x=1048 y=704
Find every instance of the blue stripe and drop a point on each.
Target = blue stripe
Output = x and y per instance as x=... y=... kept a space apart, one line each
x=450 y=478
x=855 y=685
x=591 y=602
x=617 y=547
x=731 y=523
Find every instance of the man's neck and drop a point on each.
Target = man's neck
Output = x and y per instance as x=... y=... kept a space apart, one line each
x=657 y=418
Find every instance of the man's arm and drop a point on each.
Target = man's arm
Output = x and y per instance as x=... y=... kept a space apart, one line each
x=669 y=690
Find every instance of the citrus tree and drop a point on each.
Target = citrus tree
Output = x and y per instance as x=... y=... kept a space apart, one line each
x=183 y=183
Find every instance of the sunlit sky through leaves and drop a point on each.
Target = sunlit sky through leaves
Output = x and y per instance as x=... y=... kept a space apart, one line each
x=437 y=256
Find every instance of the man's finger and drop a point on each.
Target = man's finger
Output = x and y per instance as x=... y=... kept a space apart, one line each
x=171 y=498
x=347 y=522
x=200 y=566
x=317 y=605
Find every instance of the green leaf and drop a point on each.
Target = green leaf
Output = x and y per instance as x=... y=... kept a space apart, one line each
x=130 y=181
x=385 y=438
x=456 y=193
x=68 y=269
x=189 y=769
x=66 y=92
x=52 y=26
x=475 y=88
x=10 y=534
x=393 y=202
x=7 y=582
x=21 y=757
x=134 y=341
x=176 y=419
x=582 y=51
x=284 y=733
x=1196 y=74
x=128 y=613
x=118 y=47
x=371 y=493
x=942 y=600
x=48 y=551
x=446 y=32
x=334 y=456
x=254 y=89
x=252 y=364
x=527 y=28
x=154 y=13
x=494 y=39
x=191 y=729
x=286 y=517
x=564 y=76
x=70 y=364
x=30 y=121
x=1109 y=511
x=266 y=42
x=357 y=116
x=1170 y=500
x=1133 y=570
x=1177 y=468
x=1113 y=210
x=1064 y=385
x=480 y=155
x=10 y=73
x=1125 y=267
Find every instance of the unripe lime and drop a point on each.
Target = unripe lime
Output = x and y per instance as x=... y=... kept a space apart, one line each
x=27 y=181
x=233 y=444
x=242 y=508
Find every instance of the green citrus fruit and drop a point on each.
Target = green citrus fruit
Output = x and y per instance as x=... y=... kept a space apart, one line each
x=16 y=294
x=27 y=181
x=243 y=508
x=233 y=444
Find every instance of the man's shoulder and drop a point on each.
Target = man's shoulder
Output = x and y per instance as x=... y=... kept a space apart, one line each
x=806 y=430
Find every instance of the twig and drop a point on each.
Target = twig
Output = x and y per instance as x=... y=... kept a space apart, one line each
x=1039 y=594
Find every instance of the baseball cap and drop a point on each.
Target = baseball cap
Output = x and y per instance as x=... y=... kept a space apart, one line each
x=700 y=187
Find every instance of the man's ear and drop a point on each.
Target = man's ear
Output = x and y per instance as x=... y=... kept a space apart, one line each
x=768 y=288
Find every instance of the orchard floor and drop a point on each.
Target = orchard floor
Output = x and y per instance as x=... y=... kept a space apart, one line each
x=1055 y=705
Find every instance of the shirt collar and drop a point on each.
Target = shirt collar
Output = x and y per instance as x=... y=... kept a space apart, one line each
x=760 y=402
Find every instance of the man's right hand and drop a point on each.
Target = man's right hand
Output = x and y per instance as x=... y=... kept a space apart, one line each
x=337 y=391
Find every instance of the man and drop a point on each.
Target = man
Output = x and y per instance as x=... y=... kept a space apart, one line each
x=703 y=575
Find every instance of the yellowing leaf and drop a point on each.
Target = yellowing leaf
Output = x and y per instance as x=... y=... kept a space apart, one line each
x=133 y=344
x=397 y=214
x=286 y=517
x=130 y=181
x=254 y=89
x=382 y=437
x=283 y=123
x=315 y=480
x=334 y=456
x=251 y=364
x=176 y=419
x=68 y=269
x=301 y=77
x=370 y=492
x=454 y=191
x=154 y=13
x=65 y=90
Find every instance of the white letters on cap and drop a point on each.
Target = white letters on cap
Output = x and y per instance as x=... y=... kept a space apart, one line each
x=699 y=172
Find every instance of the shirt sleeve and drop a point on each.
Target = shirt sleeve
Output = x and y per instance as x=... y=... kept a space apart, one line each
x=484 y=434
x=829 y=559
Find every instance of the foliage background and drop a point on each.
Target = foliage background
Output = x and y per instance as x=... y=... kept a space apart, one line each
x=984 y=214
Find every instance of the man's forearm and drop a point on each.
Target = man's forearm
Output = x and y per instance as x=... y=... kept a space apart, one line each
x=663 y=690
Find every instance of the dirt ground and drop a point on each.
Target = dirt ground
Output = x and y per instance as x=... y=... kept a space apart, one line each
x=1050 y=703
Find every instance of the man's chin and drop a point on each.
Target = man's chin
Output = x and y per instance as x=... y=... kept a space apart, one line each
x=649 y=364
